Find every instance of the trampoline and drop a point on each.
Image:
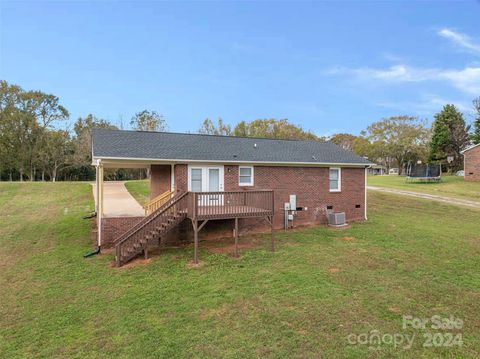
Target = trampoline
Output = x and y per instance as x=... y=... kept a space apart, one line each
x=424 y=173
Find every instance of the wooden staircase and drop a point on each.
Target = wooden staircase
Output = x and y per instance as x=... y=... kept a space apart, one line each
x=153 y=227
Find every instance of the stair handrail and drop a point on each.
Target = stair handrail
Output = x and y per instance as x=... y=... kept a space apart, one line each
x=125 y=236
x=157 y=201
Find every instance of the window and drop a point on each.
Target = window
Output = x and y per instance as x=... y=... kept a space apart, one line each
x=335 y=179
x=196 y=179
x=245 y=176
x=213 y=179
x=205 y=178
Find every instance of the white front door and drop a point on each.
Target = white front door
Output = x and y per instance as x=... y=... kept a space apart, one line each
x=206 y=179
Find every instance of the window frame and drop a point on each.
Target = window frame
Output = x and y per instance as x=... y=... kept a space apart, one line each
x=339 y=187
x=205 y=176
x=249 y=184
x=190 y=178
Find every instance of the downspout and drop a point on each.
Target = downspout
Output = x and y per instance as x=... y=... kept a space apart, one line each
x=365 y=207
x=98 y=207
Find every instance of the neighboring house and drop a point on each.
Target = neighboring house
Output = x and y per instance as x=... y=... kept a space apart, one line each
x=377 y=170
x=471 y=158
x=223 y=178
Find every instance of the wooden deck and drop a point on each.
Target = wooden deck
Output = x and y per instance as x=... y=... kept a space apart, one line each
x=206 y=206
x=226 y=212
x=226 y=205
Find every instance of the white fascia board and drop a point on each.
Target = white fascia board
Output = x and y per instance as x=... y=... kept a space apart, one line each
x=469 y=148
x=273 y=163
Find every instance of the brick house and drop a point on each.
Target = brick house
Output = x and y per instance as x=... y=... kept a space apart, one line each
x=224 y=182
x=472 y=163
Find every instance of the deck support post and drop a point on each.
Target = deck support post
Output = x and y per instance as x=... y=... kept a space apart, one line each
x=272 y=234
x=269 y=220
x=196 y=229
x=236 y=238
x=195 y=241
x=145 y=251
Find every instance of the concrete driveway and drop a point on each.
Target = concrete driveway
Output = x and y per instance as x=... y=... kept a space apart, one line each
x=117 y=201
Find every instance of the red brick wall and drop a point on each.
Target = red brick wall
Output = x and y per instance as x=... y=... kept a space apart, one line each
x=114 y=227
x=311 y=185
x=181 y=178
x=160 y=180
x=472 y=164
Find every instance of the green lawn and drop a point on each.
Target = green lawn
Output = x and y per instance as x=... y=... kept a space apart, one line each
x=303 y=301
x=140 y=190
x=450 y=186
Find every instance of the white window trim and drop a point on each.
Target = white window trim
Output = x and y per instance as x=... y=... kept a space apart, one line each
x=252 y=180
x=339 y=189
x=204 y=169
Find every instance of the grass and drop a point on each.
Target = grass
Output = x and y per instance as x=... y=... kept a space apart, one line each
x=450 y=186
x=302 y=301
x=140 y=190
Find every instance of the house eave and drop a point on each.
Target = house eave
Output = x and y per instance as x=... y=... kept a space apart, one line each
x=469 y=148
x=143 y=162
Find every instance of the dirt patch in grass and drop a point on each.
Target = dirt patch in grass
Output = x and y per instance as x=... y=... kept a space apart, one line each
x=291 y=244
x=339 y=228
x=333 y=270
x=396 y=310
x=135 y=262
x=346 y=239
x=192 y=264
x=227 y=245
x=214 y=312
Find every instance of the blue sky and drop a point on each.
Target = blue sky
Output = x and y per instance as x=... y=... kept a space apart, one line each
x=330 y=67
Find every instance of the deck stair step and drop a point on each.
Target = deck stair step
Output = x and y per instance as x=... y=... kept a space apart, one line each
x=154 y=226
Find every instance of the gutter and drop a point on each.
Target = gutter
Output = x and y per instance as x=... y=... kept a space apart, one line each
x=278 y=163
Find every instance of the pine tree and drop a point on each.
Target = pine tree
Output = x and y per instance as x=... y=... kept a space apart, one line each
x=476 y=124
x=450 y=136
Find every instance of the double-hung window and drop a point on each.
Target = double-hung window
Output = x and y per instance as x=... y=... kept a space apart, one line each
x=335 y=177
x=196 y=179
x=245 y=176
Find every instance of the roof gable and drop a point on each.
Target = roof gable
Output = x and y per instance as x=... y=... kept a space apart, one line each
x=138 y=145
x=471 y=148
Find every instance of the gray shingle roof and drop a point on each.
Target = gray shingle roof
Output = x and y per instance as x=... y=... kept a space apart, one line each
x=184 y=147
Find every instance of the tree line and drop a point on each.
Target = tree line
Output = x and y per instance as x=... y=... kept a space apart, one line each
x=392 y=142
x=399 y=140
x=37 y=143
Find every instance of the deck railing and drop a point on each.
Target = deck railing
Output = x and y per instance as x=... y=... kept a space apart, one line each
x=230 y=204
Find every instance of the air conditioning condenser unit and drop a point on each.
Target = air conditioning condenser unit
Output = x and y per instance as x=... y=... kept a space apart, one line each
x=336 y=219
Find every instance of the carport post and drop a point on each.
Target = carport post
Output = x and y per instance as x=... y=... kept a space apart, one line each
x=99 y=180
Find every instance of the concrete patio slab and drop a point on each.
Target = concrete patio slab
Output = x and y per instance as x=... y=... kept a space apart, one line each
x=117 y=201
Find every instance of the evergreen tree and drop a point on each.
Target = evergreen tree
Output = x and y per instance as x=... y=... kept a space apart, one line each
x=450 y=136
x=476 y=124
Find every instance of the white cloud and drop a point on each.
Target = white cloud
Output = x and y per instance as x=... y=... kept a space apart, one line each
x=461 y=40
x=466 y=80
x=425 y=105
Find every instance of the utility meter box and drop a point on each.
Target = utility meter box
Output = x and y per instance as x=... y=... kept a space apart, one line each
x=293 y=201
